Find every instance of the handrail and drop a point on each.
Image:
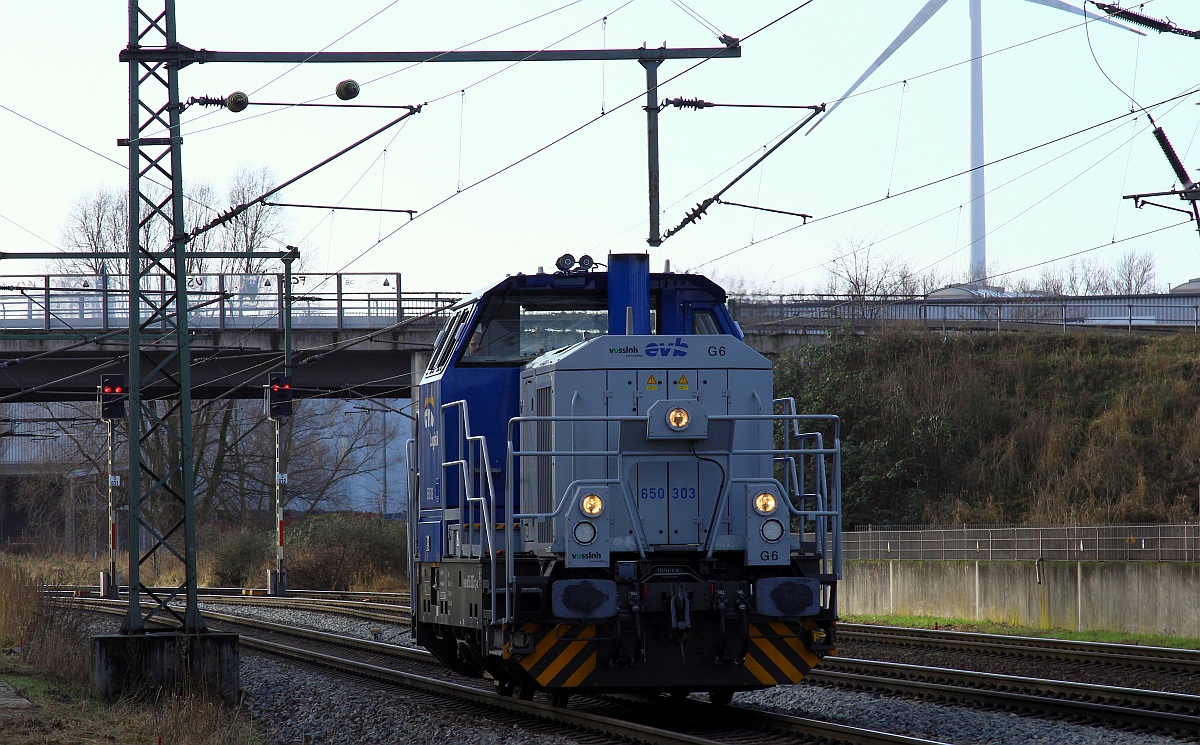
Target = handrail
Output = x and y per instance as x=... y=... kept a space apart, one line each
x=827 y=516
x=414 y=509
x=487 y=499
x=48 y=302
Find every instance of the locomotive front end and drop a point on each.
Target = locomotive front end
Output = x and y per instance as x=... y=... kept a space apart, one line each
x=611 y=497
x=670 y=555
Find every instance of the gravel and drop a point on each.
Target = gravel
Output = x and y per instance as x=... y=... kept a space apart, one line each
x=952 y=724
x=303 y=707
x=335 y=623
x=299 y=706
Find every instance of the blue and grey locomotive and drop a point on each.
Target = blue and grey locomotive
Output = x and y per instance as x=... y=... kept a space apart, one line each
x=606 y=496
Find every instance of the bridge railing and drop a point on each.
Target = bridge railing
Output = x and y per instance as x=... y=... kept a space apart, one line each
x=57 y=302
x=1176 y=542
x=1173 y=312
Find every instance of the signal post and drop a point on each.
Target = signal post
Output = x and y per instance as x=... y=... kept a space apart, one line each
x=279 y=408
x=111 y=395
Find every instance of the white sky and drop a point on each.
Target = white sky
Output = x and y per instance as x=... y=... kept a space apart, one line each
x=587 y=194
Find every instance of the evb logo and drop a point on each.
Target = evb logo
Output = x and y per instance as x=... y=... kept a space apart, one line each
x=677 y=348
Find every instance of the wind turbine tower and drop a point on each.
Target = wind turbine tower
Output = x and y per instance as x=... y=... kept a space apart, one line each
x=978 y=189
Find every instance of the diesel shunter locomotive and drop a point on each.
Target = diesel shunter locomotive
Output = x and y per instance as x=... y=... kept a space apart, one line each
x=606 y=496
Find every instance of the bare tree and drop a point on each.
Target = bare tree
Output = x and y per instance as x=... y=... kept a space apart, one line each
x=97 y=223
x=256 y=227
x=1134 y=274
x=860 y=272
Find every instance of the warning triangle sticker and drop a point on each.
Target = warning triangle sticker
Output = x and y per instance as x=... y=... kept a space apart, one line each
x=683 y=380
x=651 y=381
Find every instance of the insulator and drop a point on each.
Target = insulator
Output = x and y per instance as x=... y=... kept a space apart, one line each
x=207 y=100
x=1137 y=19
x=237 y=101
x=689 y=103
x=347 y=89
x=1176 y=164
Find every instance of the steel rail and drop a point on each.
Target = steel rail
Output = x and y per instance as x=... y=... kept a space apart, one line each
x=354 y=608
x=1187 y=660
x=760 y=722
x=1077 y=700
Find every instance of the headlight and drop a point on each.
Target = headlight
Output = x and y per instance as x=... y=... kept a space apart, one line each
x=764 y=503
x=678 y=418
x=591 y=504
x=585 y=532
x=772 y=530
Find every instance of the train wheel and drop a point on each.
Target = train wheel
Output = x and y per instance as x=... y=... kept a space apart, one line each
x=559 y=699
x=504 y=688
x=525 y=693
x=721 y=697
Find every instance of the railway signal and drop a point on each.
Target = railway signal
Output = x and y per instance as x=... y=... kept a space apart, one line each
x=279 y=396
x=112 y=394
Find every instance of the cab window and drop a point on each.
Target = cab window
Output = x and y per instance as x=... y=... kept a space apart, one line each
x=705 y=322
x=447 y=340
x=516 y=327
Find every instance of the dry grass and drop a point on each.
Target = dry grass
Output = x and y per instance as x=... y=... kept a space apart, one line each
x=53 y=670
x=991 y=627
x=18 y=604
x=60 y=716
x=1035 y=428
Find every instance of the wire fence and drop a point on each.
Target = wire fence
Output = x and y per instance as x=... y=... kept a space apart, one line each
x=1021 y=543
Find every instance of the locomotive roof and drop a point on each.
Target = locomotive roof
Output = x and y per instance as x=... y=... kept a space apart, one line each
x=567 y=282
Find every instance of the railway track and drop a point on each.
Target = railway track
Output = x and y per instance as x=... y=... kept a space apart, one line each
x=1123 y=655
x=661 y=721
x=1124 y=707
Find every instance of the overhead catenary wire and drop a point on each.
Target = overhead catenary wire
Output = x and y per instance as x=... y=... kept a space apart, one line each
x=698 y=18
x=568 y=135
x=699 y=210
x=1040 y=201
x=956 y=249
x=463 y=92
x=885 y=86
x=943 y=179
x=8 y=219
x=411 y=66
x=896 y=148
x=237 y=210
x=837 y=101
x=298 y=65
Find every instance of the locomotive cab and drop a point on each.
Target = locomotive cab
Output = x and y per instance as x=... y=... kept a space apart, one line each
x=611 y=498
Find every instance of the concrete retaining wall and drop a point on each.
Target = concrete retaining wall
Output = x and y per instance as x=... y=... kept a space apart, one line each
x=1141 y=597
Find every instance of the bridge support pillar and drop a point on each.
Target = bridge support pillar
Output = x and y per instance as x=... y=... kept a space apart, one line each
x=140 y=665
x=419 y=361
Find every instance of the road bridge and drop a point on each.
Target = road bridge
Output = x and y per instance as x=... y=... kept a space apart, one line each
x=362 y=335
x=352 y=335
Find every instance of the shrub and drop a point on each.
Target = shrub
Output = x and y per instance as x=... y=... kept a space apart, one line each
x=239 y=557
x=346 y=551
x=1035 y=427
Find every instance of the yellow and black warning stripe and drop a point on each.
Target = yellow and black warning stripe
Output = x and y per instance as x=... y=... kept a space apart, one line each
x=776 y=655
x=563 y=656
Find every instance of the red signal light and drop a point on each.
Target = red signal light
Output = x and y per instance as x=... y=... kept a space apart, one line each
x=108 y=389
x=118 y=389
